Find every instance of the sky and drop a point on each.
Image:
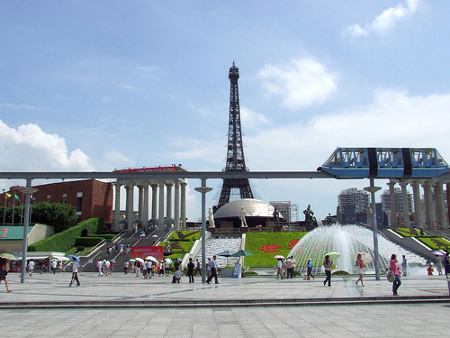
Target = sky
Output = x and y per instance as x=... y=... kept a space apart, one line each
x=104 y=85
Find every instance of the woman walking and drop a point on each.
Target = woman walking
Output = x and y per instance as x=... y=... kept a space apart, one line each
x=394 y=268
x=327 y=264
x=309 y=266
x=3 y=273
x=360 y=265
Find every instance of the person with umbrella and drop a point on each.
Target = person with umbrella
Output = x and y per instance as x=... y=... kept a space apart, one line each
x=4 y=272
x=75 y=266
x=327 y=264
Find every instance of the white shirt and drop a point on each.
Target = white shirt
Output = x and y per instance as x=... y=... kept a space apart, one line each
x=75 y=265
x=31 y=265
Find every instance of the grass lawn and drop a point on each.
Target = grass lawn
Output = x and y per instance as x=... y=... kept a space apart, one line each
x=266 y=245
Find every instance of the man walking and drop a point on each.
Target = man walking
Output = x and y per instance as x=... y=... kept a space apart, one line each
x=213 y=265
x=75 y=265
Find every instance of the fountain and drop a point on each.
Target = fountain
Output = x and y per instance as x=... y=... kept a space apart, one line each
x=348 y=241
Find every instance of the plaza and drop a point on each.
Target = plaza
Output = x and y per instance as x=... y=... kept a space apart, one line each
x=126 y=306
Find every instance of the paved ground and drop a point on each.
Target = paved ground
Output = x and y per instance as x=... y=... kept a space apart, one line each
x=125 y=306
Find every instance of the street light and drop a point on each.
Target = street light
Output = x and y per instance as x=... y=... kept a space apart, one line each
x=203 y=190
x=28 y=190
x=373 y=189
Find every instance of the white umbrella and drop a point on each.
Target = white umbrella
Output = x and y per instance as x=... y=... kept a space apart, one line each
x=139 y=260
x=151 y=258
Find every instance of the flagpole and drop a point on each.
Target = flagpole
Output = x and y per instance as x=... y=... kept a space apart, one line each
x=4 y=209
x=14 y=203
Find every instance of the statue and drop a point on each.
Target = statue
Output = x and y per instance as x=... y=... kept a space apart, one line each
x=211 y=218
x=308 y=214
x=242 y=217
x=276 y=216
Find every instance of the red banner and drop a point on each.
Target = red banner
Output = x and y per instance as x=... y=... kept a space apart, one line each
x=144 y=251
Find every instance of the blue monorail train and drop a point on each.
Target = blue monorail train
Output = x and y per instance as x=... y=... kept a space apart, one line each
x=385 y=163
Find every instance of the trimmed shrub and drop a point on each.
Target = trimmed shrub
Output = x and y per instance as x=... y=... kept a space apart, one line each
x=88 y=241
x=65 y=240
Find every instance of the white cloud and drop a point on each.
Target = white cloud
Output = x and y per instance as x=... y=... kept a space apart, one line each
x=386 y=20
x=28 y=148
x=300 y=84
x=251 y=119
x=356 y=30
x=118 y=159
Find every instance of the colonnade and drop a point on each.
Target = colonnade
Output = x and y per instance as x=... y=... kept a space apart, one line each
x=163 y=203
x=431 y=211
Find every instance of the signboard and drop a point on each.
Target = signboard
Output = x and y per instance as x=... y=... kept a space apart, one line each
x=144 y=251
x=237 y=271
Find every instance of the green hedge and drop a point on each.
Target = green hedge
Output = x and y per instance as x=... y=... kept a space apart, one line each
x=88 y=241
x=65 y=240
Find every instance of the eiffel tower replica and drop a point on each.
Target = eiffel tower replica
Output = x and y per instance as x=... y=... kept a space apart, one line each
x=235 y=152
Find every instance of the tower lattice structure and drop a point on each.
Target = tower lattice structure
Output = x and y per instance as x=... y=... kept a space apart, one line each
x=235 y=151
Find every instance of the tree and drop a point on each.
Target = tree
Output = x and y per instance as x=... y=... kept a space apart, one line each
x=61 y=216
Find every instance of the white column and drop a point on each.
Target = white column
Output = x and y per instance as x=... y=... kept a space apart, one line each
x=145 y=211
x=117 y=217
x=177 y=204
x=129 y=212
x=169 y=185
x=161 y=204
x=393 y=210
x=418 y=210
x=141 y=200
x=154 y=186
x=439 y=198
x=430 y=215
x=183 y=203
x=405 y=204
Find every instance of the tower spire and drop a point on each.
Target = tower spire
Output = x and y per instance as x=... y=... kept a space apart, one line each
x=235 y=150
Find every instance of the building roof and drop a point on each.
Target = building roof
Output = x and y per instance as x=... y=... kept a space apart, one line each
x=12 y=232
x=253 y=207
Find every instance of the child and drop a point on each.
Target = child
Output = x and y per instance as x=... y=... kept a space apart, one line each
x=430 y=270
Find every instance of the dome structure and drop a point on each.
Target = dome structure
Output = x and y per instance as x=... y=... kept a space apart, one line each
x=256 y=212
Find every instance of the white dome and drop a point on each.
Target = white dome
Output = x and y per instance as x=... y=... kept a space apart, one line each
x=253 y=207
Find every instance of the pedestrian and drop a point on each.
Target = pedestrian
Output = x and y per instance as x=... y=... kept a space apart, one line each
x=293 y=267
x=75 y=265
x=150 y=269
x=54 y=265
x=100 y=267
x=404 y=265
x=144 y=270
x=430 y=270
x=107 y=265
x=397 y=273
x=125 y=267
x=327 y=264
x=190 y=270
x=309 y=267
x=360 y=265
x=208 y=268
x=439 y=264
x=137 y=269
x=176 y=276
x=198 y=268
x=280 y=272
x=213 y=265
x=289 y=267
x=4 y=267
x=31 y=267
x=167 y=267
x=161 y=268
x=446 y=262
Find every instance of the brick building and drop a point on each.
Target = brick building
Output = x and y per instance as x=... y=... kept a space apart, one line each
x=92 y=198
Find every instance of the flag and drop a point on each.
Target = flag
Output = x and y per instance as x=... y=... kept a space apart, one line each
x=7 y=195
x=16 y=197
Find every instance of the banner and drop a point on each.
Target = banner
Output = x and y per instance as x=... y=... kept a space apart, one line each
x=144 y=251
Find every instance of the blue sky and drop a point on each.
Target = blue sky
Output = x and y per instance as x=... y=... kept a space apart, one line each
x=102 y=85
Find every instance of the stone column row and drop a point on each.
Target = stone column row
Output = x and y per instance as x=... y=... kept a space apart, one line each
x=159 y=200
x=431 y=211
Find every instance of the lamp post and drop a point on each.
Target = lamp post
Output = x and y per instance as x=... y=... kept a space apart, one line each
x=28 y=190
x=373 y=189
x=4 y=209
x=203 y=190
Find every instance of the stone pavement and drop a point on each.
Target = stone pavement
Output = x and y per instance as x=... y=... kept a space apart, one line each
x=125 y=306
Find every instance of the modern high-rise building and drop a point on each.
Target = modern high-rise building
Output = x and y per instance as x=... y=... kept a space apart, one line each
x=386 y=200
x=355 y=199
